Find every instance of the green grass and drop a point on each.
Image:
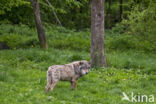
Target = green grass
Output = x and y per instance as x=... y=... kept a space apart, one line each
x=23 y=68
x=103 y=86
x=23 y=78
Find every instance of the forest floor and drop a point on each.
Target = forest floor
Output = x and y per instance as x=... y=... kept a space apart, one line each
x=23 y=72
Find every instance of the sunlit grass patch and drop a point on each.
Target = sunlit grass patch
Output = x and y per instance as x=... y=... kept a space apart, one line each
x=99 y=86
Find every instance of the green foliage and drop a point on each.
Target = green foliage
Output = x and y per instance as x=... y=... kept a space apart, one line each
x=128 y=42
x=129 y=50
x=7 y=5
x=23 y=67
x=72 y=13
x=71 y=43
x=18 y=36
x=141 y=22
x=65 y=39
x=60 y=38
x=12 y=40
x=16 y=12
x=20 y=12
x=118 y=46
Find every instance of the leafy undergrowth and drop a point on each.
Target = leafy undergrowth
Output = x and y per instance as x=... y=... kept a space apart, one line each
x=23 y=67
x=21 y=36
x=23 y=77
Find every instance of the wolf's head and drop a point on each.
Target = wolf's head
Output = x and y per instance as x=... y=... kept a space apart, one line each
x=84 y=67
x=81 y=67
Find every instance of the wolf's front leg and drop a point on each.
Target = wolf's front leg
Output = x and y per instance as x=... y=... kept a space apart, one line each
x=53 y=85
x=74 y=84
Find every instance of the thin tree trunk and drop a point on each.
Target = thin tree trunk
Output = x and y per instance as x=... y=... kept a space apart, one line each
x=57 y=19
x=109 y=4
x=39 y=27
x=120 y=12
x=98 y=58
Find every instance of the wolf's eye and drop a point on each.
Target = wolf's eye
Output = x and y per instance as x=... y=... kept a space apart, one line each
x=81 y=68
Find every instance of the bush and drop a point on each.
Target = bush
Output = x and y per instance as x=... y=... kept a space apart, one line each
x=125 y=42
x=18 y=36
x=141 y=24
x=71 y=43
x=21 y=36
x=12 y=40
x=15 y=41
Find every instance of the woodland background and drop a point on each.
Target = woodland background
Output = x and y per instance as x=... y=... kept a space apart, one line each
x=130 y=45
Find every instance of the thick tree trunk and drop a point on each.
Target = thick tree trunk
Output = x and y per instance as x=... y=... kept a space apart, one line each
x=39 y=27
x=98 y=58
x=120 y=12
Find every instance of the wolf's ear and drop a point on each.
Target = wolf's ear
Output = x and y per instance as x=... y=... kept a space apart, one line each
x=80 y=62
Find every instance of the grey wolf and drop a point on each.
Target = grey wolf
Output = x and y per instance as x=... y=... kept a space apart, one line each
x=68 y=72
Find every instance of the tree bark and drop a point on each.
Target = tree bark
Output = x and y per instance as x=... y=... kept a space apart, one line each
x=98 y=58
x=39 y=27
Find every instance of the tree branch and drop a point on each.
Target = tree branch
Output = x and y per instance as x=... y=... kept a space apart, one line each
x=57 y=19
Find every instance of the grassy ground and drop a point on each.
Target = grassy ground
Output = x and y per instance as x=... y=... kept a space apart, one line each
x=23 y=79
x=23 y=70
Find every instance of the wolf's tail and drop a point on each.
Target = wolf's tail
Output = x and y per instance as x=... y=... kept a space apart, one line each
x=49 y=77
x=49 y=80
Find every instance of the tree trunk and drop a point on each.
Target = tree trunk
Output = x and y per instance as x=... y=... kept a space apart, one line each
x=120 y=13
x=39 y=27
x=98 y=58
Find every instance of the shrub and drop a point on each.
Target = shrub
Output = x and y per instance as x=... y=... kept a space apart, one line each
x=141 y=24
x=125 y=42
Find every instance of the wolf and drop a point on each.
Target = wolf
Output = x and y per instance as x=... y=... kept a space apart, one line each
x=67 y=72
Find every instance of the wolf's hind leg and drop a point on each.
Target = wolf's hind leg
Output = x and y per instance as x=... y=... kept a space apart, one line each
x=49 y=82
x=47 y=87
